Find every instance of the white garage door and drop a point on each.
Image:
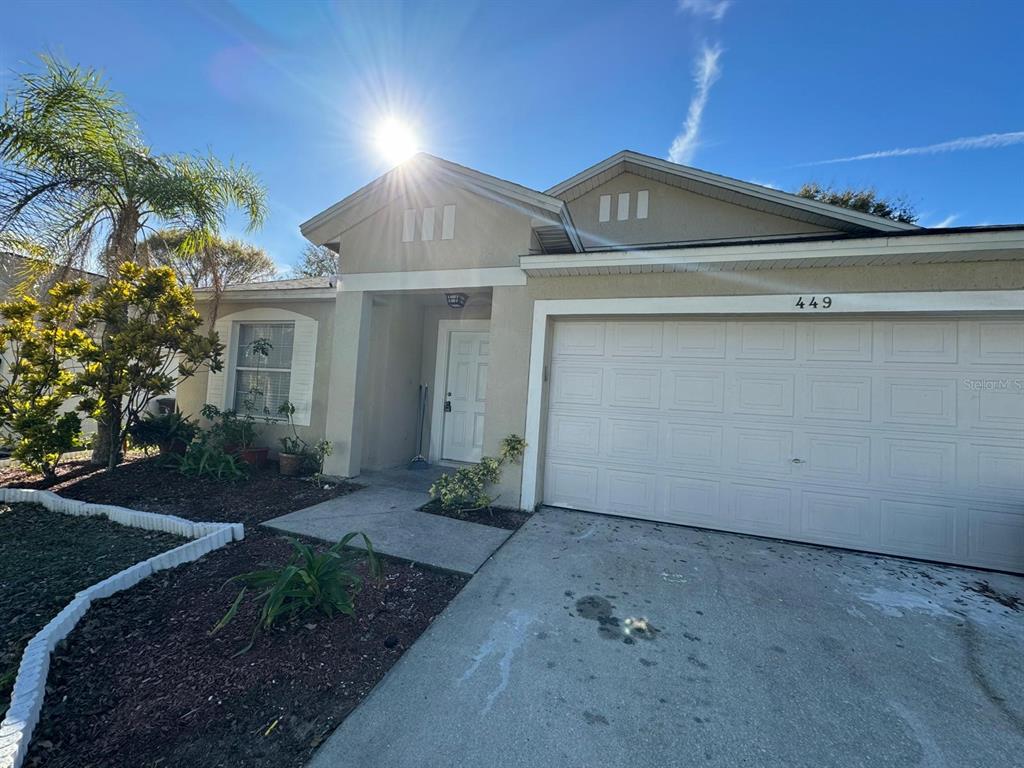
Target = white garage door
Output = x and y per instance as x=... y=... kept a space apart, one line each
x=903 y=436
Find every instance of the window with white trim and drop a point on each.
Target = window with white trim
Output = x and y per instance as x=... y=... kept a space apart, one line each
x=271 y=375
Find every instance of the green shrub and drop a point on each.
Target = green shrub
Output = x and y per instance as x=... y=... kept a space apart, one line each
x=466 y=489
x=325 y=582
x=206 y=457
x=163 y=430
x=42 y=437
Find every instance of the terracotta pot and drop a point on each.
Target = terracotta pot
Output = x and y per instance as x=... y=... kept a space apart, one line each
x=290 y=464
x=254 y=457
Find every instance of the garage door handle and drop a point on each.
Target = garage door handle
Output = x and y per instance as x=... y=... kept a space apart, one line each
x=799 y=461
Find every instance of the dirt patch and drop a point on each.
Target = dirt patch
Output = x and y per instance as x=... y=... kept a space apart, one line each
x=45 y=558
x=987 y=590
x=140 y=683
x=149 y=485
x=496 y=517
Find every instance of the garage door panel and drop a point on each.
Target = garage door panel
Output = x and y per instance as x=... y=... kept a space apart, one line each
x=570 y=485
x=907 y=342
x=691 y=445
x=923 y=400
x=695 y=339
x=695 y=390
x=895 y=435
x=631 y=440
x=762 y=509
x=926 y=465
x=992 y=342
x=832 y=397
x=836 y=457
x=996 y=537
x=634 y=387
x=577 y=384
x=926 y=528
x=762 y=340
x=574 y=434
x=635 y=339
x=760 y=394
x=832 y=341
x=840 y=519
x=695 y=500
x=630 y=492
x=761 y=451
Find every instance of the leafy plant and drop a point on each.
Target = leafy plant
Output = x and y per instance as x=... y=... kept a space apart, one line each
x=313 y=455
x=40 y=344
x=466 y=489
x=163 y=430
x=325 y=582
x=206 y=457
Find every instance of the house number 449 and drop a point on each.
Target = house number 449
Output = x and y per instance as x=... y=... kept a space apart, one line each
x=814 y=303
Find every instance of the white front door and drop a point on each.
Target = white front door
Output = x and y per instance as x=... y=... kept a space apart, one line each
x=465 y=396
x=897 y=435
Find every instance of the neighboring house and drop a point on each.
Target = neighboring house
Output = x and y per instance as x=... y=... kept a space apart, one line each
x=674 y=345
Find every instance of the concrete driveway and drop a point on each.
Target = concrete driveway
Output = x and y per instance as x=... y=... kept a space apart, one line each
x=596 y=641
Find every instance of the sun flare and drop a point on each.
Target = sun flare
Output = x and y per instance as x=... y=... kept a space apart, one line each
x=395 y=140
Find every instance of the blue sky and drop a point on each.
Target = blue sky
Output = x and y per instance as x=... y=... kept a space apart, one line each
x=536 y=91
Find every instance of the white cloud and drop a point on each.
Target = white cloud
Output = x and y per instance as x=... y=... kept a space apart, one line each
x=946 y=222
x=706 y=72
x=714 y=9
x=769 y=184
x=988 y=141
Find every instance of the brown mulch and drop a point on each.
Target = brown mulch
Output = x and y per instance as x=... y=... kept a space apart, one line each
x=141 y=683
x=147 y=484
x=496 y=517
x=45 y=558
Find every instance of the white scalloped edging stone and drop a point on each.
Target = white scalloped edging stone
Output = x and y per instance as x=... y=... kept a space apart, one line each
x=30 y=684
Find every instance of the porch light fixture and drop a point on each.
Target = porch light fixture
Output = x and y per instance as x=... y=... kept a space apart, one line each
x=456 y=300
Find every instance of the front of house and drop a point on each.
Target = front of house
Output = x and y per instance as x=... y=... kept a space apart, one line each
x=674 y=345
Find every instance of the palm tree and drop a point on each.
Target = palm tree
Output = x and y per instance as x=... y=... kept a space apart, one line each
x=217 y=265
x=79 y=186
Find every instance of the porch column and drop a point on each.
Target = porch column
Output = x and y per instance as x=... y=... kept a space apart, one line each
x=347 y=397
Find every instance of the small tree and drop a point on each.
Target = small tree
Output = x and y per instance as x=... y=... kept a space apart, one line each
x=865 y=200
x=316 y=261
x=145 y=329
x=41 y=345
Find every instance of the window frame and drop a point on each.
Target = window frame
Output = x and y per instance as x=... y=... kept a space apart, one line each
x=232 y=388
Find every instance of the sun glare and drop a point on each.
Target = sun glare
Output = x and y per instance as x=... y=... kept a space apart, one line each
x=395 y=141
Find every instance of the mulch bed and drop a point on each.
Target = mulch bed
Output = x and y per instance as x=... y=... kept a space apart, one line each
x=146 y=484
x=45 y=558
x=496 y=517
x=140 y=683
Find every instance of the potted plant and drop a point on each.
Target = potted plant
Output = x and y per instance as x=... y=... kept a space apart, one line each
x=294 y=456
x=170 y=432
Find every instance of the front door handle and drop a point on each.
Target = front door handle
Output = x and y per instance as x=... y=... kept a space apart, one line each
x=447 y=406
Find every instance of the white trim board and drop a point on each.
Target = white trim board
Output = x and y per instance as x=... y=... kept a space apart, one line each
x=433 y=279
x=444 y=329
x=919 y=302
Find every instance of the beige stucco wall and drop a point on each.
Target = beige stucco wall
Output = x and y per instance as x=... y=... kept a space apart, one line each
x=487 y=234
x=674 y=215
x=191 y=393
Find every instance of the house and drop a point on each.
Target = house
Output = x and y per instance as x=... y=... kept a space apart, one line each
x=674 y=345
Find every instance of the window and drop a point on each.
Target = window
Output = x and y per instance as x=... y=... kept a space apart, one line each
x=408 y=226
x=623 y=212
x=427 y=232
x=605 y=210
x=274 y=372
x=641 y=203
x=448 y=223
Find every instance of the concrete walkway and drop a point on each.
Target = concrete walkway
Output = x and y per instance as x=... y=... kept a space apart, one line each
x=386 y=510
x=594 y=641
